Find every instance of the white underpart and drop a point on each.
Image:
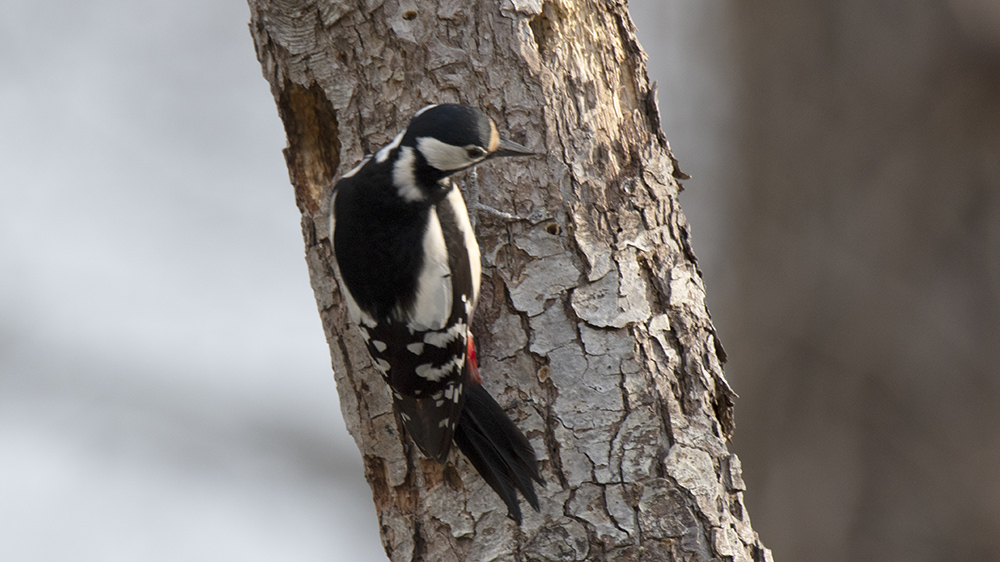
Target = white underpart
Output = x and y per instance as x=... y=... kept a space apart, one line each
x=383 y=152
x=462 y=216
x=432 y=307
x=444 y=156
x=403 y=178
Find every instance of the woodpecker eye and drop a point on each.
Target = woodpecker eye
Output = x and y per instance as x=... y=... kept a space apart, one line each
x=475 y=152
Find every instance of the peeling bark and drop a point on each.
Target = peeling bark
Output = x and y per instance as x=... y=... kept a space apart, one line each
x=592 y=323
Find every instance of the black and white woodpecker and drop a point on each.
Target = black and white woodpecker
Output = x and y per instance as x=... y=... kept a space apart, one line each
x=410 y=271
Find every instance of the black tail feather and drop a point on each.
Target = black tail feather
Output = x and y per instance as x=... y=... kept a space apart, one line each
x=498 y=450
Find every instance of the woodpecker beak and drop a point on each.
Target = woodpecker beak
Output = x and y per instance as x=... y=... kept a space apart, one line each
x=511 y=148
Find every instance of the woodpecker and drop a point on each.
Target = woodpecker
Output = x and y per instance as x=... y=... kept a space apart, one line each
x=410 y=272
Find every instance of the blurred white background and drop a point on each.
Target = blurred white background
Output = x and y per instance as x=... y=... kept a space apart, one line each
x=165 y=389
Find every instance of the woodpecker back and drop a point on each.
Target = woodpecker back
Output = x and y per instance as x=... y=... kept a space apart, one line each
x=410 y=273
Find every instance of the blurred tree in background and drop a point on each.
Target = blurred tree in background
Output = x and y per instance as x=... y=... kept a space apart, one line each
x=856 y=277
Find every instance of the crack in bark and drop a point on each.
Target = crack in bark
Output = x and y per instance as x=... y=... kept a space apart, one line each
x=551 y=443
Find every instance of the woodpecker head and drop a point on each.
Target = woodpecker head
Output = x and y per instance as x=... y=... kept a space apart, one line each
x=444 y=139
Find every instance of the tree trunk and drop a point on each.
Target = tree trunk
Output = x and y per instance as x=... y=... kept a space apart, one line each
x=592 y=325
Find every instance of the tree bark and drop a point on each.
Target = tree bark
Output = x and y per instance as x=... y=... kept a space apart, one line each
x=592 y=325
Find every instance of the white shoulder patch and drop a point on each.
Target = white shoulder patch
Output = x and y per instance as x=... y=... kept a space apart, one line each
x=432 y=306
x=403 y=178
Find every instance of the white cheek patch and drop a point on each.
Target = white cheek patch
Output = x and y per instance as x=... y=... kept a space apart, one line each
x=402 y=177
x=444 y=156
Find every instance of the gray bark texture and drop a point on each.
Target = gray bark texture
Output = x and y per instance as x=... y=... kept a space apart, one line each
x=592 y=327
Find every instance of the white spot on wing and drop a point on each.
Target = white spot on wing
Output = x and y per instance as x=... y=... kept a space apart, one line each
x=431 y=373
x=382 y=365
x=403 y=178
x=379 y=345
x=416 y=348
x=444 y=337
x=435 y=374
